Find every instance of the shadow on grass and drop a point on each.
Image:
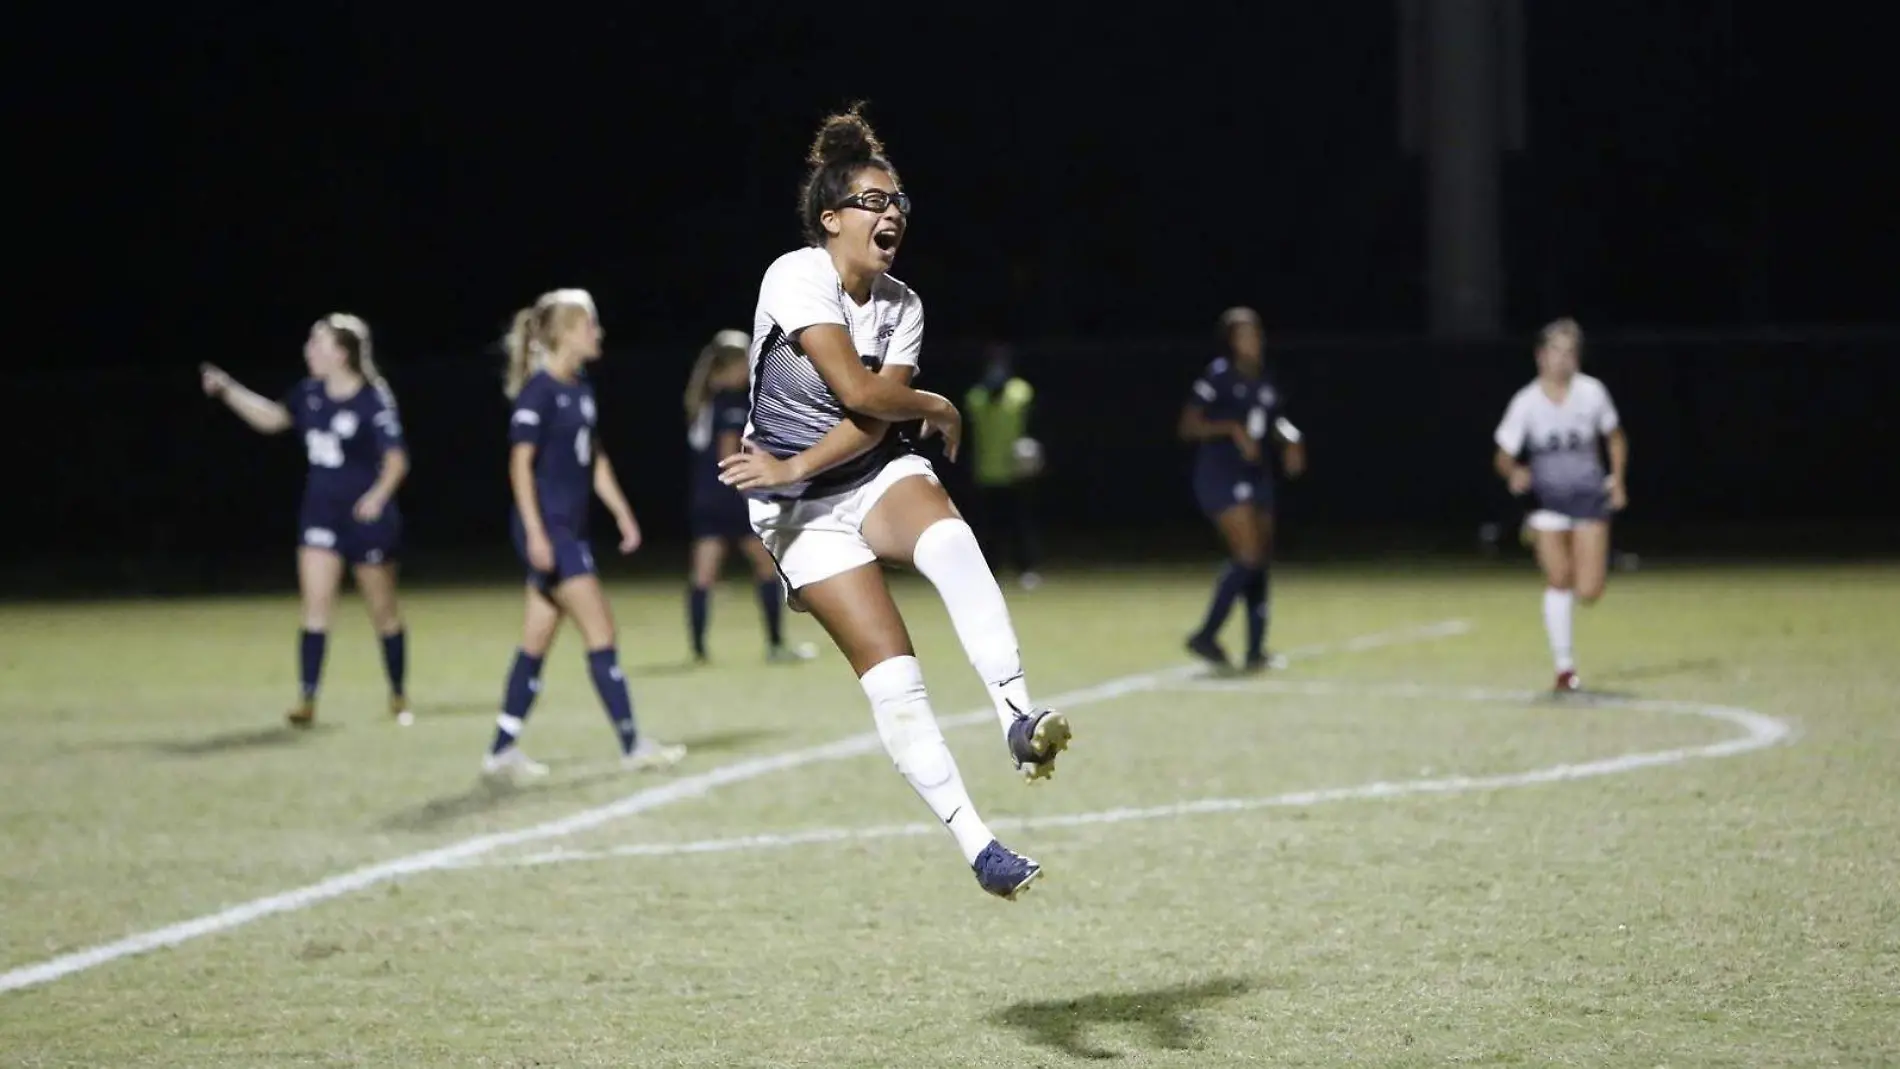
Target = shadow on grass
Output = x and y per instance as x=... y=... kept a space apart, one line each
x=488 y=795
x=723 y=741
x=1161 y=1014
x=225 y=742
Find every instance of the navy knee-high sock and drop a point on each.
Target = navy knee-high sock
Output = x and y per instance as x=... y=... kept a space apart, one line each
x=310 y=647
x=1227 y=590
x=698 y=610
x=1259 y=611
x=611 y=683
x=396 y=660
x=772 y=605
x=524 y=682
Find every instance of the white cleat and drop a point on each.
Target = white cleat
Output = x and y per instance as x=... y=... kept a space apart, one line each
x=648 y=754
x=513 y=764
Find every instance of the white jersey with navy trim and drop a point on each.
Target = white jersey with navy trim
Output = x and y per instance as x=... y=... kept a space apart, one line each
x=1563 y=440
x=792 y=407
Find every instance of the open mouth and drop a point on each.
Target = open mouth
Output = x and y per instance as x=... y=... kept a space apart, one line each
x=886 y=239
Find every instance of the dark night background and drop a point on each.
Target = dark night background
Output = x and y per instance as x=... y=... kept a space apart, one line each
x=1708 y=187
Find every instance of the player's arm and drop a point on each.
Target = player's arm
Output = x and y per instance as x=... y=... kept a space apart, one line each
x=524 y=441
x=261 y=413
x=1196 y=427
x=851 y=438
x=392 y=468
x=1509 y=439
x=521 y=483
x=881 y=397
x=390 y=473
x=607 y=488
x=1619 y=445
x=1292 y=446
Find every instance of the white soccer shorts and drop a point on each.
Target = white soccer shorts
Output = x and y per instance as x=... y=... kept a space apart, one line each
x=817 y=538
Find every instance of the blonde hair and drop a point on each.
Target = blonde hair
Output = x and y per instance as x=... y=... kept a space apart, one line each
x=530 y=338
x=726 y=348
x=352 y=336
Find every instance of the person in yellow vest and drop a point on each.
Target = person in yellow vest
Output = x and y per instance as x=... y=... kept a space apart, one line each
x=1005 y=460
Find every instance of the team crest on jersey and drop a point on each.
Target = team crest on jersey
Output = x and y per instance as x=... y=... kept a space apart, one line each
x=1266 y=396
x=344 y=424
x=587 y=409
x=312 y=401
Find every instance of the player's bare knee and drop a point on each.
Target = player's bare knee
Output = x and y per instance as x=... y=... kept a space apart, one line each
x=1589 y=592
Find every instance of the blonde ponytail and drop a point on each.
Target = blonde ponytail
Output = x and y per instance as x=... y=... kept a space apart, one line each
x=727 y=347
x=525 y=348
x=352 y=335
x=699 y=383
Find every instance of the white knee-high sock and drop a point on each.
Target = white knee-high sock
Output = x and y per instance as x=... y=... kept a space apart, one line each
x=1557 y=613
x=948 y=555
x=909 y=729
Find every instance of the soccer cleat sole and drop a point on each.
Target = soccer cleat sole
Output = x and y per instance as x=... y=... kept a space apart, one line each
x=1023 y=888
x=1051 y=737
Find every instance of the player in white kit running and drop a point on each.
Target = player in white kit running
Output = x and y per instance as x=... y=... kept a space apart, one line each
x=835 y=490
x=1550 y=445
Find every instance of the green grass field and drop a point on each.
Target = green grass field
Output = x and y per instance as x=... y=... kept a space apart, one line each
x=1390 y=853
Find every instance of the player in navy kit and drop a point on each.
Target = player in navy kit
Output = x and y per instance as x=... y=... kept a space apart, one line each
x=716 y=411
x=353 y=442
x=1560 y=425
x=1234 y=417
x=835 y=490
x=555 y=462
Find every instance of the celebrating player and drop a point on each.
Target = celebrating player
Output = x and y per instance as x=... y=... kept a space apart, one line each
x=1233 y=413
x=715 y=418
x=1558 y=421
x=353 y=442
x=834 y=491
x=554 y=461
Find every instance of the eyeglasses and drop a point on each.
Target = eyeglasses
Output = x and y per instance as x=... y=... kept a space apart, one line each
x=877 y=200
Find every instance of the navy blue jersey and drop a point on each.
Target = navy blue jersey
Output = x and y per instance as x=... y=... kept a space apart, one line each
x=557 y=418
x=726 y=411
x=344 y=440
x=1223 y=393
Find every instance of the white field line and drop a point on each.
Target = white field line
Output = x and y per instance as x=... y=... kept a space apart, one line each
x=643 y=801
x=1759 y=732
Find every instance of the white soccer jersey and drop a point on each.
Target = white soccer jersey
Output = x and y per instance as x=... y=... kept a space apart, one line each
x=1562 y=440
x=792 y=408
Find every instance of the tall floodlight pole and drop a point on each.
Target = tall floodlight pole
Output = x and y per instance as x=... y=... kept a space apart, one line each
x=1459 y=106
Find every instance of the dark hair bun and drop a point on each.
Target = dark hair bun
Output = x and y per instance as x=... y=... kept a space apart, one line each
x=845 y=138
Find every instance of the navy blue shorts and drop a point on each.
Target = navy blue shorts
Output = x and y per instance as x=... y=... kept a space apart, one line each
x=721 y=517
x=335 y=529
x=573 y=556
x=1217 y=491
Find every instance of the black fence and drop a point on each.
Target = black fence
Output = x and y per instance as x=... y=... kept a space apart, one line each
x=131 y=480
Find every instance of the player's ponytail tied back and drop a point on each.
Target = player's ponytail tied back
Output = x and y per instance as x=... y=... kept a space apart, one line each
x=844 y=145
x=522 y=346
x=352 y=336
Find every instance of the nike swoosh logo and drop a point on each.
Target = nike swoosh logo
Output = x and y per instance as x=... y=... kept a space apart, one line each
x=952 y=816
x=1010 y=680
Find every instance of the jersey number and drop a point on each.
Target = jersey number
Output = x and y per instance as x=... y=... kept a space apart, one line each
x=1257 y=423
x=584 y=447
x=1558 y=442
x=325 y=449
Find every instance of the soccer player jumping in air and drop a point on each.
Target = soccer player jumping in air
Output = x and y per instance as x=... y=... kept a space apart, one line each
x=835 y=491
